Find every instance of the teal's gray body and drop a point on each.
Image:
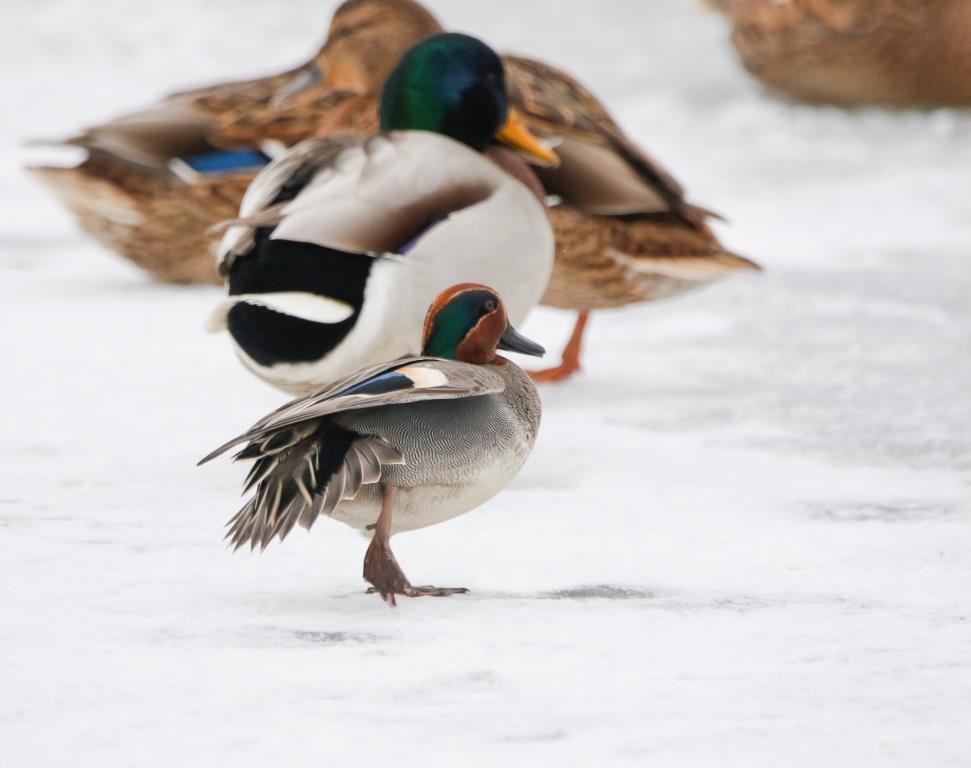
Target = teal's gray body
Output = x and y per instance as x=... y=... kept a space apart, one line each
x=448 y=435
x=457 y=453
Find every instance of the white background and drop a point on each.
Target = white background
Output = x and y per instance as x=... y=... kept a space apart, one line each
x=742 y=539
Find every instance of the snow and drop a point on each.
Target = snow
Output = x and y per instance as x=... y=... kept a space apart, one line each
x=742 y=539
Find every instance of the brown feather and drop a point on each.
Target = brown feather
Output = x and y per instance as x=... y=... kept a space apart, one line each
x=605 y=262
x=851 y=52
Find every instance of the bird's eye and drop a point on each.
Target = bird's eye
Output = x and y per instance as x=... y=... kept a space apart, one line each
x=490 y=305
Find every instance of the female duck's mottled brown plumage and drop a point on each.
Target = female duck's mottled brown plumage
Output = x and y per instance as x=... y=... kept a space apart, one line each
x=625 y=232
x=900 y=53
x=364 y=43
x=127 y=194
x=152 y=218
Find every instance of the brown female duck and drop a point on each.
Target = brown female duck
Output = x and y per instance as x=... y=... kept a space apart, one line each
x=898 y=53
x=154 y=182
x=625 y=232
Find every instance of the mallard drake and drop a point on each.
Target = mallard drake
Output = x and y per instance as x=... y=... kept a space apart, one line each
x=155 y=181
x=341 y=243
x=400 y=445
x=624 y=229
x=899 y=53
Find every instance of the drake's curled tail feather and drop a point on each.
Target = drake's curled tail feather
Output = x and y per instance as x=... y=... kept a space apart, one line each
x=301 y=473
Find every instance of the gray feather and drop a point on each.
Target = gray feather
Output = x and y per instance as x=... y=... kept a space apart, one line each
x=370 y=464
x=290 y=488
x=456 y=380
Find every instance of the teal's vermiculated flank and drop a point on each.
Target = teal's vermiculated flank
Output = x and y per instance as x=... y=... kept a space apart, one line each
x=450 y=84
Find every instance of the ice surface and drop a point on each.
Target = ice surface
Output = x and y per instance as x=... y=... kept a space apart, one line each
x=742 y=539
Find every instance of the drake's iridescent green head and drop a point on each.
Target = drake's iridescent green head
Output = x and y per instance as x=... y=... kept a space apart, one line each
x=455 y=85
x=468 y=322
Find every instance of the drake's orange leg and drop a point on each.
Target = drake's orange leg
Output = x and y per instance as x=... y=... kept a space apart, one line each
x=570 y=363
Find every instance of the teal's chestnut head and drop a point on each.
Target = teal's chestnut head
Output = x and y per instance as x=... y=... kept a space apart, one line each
x=454 y=84
x=468 y=322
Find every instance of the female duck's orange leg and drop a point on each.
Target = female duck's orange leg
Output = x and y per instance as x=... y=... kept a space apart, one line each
x=570 y=363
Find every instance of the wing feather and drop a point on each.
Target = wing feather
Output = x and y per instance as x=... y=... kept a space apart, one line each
x=359 y=195
x=424 y=378
x=294 y=474
x=556 y=105
x=293 y=491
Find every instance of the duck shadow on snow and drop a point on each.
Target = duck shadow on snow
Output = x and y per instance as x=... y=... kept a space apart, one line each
x=338 y=637
x=364 y=603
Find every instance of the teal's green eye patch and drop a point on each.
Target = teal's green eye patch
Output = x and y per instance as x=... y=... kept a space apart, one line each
x=453 y=322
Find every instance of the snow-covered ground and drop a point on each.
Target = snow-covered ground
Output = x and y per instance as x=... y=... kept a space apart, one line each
x=744 y=537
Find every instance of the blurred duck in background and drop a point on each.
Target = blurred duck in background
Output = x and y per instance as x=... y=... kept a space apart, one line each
x=625 y=230
x=399 y=446
x=897 y=53
x=341 y=244
x=154 y=182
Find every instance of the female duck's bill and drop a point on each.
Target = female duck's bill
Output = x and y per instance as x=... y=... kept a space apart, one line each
x=365 y=41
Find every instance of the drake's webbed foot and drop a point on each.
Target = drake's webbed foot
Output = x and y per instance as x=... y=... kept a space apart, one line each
x=382 y=570
x=427 y=591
